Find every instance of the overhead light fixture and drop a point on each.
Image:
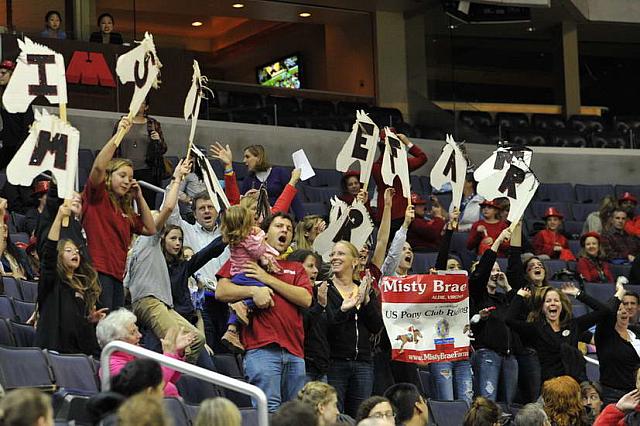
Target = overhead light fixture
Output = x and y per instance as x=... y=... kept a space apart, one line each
x=304 y=15
x=531 y=29
x=196 y=24
x=237 y=5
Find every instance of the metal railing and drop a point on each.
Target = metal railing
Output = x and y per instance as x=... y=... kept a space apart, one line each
x=186 y=368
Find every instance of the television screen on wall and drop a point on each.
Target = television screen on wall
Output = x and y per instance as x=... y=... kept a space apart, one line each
x=285 y=72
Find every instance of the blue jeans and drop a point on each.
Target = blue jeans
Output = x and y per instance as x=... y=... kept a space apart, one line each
x=452 y=380
x=353 y=381
x=529 y=376
x=277 y=372
x=242 y=279
x=496 y=376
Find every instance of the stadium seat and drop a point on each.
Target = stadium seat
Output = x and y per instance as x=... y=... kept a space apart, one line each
x=316 y=107
x=447 y=413
x=554 y=266
x=321 y=209
x=586 y=123
x=24 y=310
x=548 y=122
x=29 y=290
x=593 y=370
x=177 y=411
x=16 y=221
x=422 y=262
x=73 y=372
x=475 y=119
x=445 y=199
x=192 y=411
x=599 y=291
x=85 y=158
x=620 y=270
x=23 y=334
x=574 y=246
x=11 y=287
x=511 y=120
x=568 y=138
x=633 y=189
x=538 y=208
x=19 y=237
x=608 y=140
x=325 y=177
x=555 y=192
x=425 y=181
x=7 y=310
x=249 y=416
x=194 y=390
x=6 y=337
x=529 y=137
x=579 y=309
x=228 y=365
x=581 y=211
x=416 y=184
x=348 y=109
x=503 y=262
x=24 y=367
x=426 y=382
x=319 y=195
x=573 y=228
x=592 y=193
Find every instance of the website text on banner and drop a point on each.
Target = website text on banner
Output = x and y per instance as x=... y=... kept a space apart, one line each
x=427 y=317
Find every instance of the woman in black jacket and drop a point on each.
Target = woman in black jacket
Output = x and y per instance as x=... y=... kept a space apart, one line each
x=67 y=296
x=551 y=329
x=353 y=317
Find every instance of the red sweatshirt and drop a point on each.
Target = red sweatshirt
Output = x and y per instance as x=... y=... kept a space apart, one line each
x=425 y=234
x=611 y=416
x=589 y=270
x=493 y=231
x=545 y=240
x=633 y=226
x=399 y=202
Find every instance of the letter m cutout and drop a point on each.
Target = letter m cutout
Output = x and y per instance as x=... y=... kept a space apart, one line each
x=89 y=68
x=56 y=146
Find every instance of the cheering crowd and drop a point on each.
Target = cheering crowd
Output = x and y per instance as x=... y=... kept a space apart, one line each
x=192 y=279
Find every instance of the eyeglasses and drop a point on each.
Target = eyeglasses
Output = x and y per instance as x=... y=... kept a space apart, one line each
x=383 y=415
x=70 y=250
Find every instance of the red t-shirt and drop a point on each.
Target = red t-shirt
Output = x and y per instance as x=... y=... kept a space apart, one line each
x=108 y=229
x=474 y=241
x=282 y=323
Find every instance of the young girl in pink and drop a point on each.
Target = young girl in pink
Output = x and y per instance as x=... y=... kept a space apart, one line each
x=247 y=244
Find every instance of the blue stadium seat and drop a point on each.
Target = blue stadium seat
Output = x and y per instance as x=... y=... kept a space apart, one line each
x=538 y=209
x=573 y=228
x=416 y=184
x=192 y=411
x=599 y=291
x=447 y=413
x=579 y=309
x=29 y=290
x=176 y=410
x=581 y=211
x=24 y=310
x=24 y=367
x=593 y=370
x=73 y=372
x=445 y=200
x=554 y=266
x=23 y=334
x=7 y=310
x=325 y=177
x=194 y=390
x=11 y=287
x=228 y=365
x=319 y=195
x=16 y=221
x=592 y=193
x=620 y=270
x=422 y=262
x=6 y=337
x=85 y=158
x=21 y=237
x=503 y=262
x=321 y=209
x=426 y=184
x=561 y=192
x=249 y=416
x=574 y=246
x=426 y=382
x=633 y=189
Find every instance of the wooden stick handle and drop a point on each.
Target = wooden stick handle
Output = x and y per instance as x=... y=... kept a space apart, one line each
x=63 y=112
x=121 y=132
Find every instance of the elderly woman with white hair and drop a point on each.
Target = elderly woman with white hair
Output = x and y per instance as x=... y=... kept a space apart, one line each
x=121 y=325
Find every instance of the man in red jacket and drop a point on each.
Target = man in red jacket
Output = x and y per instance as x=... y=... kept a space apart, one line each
x=424 y=234
x=419 y=158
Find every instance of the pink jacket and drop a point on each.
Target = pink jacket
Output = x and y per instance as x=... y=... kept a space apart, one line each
x=253 y=248
x=119 y=359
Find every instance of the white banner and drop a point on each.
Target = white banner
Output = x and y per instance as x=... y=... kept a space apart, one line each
x=142 y=67
x=39 y=72
x=354 y=225
x=498 y=159
x=427 y=317
x=52 y=145
x=515 y=181
x=360 y=146
x=394 y=162
x=210 y=179
x=451 y=168
x=194 y=97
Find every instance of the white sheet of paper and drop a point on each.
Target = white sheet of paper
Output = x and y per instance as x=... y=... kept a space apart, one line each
x=300 y=161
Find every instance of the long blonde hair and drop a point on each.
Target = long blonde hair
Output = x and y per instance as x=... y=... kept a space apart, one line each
x=235 y=225
x=84 y=279
x=218 y=412
x=124 y=203
x=302 y=228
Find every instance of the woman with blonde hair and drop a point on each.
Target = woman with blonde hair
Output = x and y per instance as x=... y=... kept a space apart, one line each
x=218 y=412
x=307 y=230
x=324 y=400
x=563 y=402
x=109 y=219
x=143 y=409
x=353 y=318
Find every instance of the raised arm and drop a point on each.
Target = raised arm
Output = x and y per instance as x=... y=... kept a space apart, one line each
x=383 y=231
x=143 y=209
x=54 y=231
x=171 y=197
x=283 y=203
x=395 y=251
x=418 y=159
x=298 y=295
x=106 y=154
x=223 y=153
x=586 y=321
x=202 y=257
x=445 y=243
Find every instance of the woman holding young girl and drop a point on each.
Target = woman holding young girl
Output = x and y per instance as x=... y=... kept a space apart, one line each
x=109 y=219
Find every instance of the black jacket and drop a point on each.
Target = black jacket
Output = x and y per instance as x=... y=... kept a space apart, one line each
x=349 y=331
x=316 y=345
x=558 y=352
x=492 y=333
x=115 y=38
x=179 y=273
x=15 y=127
